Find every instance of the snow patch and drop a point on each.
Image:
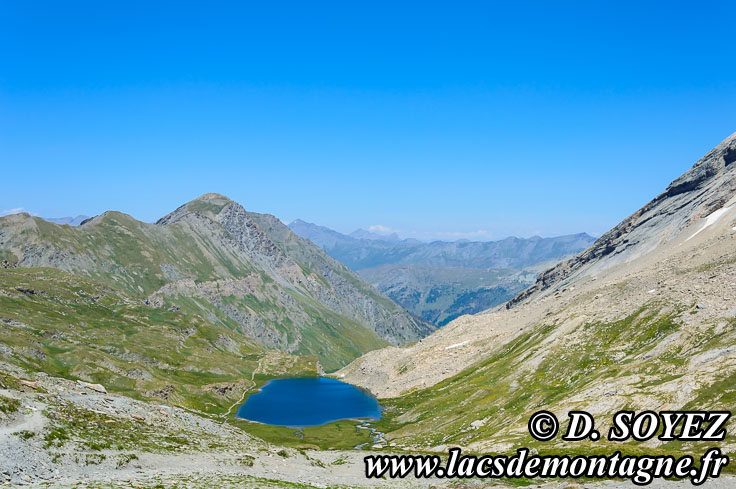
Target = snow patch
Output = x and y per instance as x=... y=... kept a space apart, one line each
x=456 y=345
x=710 y=220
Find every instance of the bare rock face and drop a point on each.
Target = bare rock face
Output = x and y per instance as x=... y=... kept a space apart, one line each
x=704 y=189
x=285 y=256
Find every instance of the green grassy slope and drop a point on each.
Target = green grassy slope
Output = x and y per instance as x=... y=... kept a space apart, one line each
x=539 y=370
x=131 y=255
x=277 y=289
x=74 y=327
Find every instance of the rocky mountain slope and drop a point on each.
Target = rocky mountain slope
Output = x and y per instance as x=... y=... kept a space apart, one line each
x=703 y=191
x=236 y=269
x=440 y=281
x=644 y=319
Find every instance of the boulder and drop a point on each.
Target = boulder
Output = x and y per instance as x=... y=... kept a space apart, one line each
x=95 y=387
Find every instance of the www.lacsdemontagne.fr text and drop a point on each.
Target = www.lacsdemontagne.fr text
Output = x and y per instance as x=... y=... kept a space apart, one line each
x=641 y=470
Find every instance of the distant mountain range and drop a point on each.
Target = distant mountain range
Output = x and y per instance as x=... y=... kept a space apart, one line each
x=363 y=234
x=361 y=249
x=442 y=280
x=72 y=221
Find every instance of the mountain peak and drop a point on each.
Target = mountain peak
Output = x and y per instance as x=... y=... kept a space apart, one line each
x=370 y=235
x=209 y=204
x=104 y=217
x=212 y=196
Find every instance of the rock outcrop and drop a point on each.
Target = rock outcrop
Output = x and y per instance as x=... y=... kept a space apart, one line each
x=703 y=190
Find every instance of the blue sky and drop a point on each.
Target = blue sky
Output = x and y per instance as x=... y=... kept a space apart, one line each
x=450 y=120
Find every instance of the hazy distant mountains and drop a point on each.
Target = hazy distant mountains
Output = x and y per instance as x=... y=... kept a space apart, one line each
x=72 y=221
x=363 y=234
x=359 y=251
x=442 y=280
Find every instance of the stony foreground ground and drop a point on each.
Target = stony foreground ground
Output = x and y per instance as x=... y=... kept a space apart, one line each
x=58 y=433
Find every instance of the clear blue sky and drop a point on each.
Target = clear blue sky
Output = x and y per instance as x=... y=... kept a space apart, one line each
x=432 y=119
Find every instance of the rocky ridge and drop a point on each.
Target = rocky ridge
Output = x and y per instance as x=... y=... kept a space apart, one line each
x=212 y=257
x=703 y=190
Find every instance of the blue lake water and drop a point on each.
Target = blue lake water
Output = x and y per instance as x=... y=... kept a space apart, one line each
x=312 y=401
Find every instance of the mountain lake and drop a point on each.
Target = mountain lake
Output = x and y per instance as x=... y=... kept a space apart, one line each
x=313 y=401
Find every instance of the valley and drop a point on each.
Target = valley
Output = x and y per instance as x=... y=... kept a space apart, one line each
x=126 y=347
x=644 y=319
x=441 y=294
x=440 y=281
